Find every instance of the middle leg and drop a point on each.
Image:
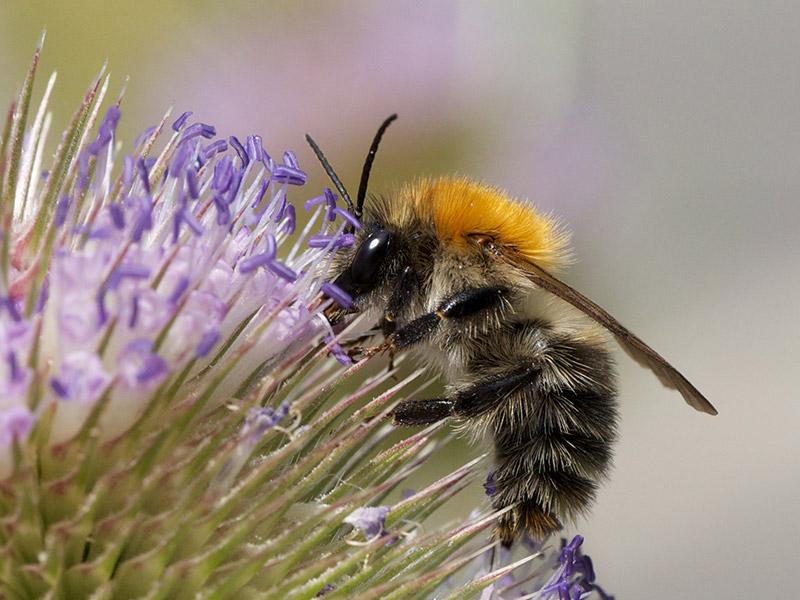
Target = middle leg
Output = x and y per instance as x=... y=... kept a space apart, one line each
x=459 y=306
x=472 y=402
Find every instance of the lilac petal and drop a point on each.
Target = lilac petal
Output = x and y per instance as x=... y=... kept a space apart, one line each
x=83 y=171
x=144 y=136
x=44 y=294
x=127 y=271
x=144 y=174
x=144 y=220
x=282 y=271
x=347 y=217
x=338 y=352
x=251 y=263
x=290 y=159
x=291 y=219
x=148 y=311
x=153 y=367
x=266 y=159
x=237 y=145
x=260 y=260
x=309 y=204
x=81 y=378
x=112 y=117
x=59 y=388
x=191 y=184
x=223 y=174
x=117 y=215
x=330 y=199
x=323 y=241
x=207 y=343
x=223 y=212
x=214 y=148
x=187 y=216
x=176 y=226
x=100 y=301
x=319 y=240
x=290 y=175
x=281 y=196
x=11 y=307
x=62 y=209
x=142 y=223
x=15 y=424
x=333 y=291
x=254 y=147
x=127 y=171
x=139 y=367
x=344 y=241
x=270 y=245
x=99 y=233
x=260 y=195
x=179 y=160
x=183 y=285
x=106 y=130
x=134 y=312
x=178 y=123
x=15 y=372
x=197 y=130
x=233 y=189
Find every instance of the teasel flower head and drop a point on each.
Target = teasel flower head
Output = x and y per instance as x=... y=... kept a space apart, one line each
x=177 y=417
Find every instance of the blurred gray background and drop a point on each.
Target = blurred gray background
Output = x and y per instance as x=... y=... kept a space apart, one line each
x=666 y=134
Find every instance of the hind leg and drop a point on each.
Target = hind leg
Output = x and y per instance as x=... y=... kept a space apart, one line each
x=422 y=412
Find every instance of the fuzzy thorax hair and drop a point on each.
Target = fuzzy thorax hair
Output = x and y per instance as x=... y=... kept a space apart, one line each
x=460 y=207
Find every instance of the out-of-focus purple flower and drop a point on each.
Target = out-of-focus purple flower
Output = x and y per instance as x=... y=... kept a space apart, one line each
x=369 y=520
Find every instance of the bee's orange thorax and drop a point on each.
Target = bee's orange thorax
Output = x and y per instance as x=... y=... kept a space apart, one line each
x=460 y=208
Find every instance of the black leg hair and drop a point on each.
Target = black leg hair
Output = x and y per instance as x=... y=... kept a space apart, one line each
x=458 y=306
x=469 y=403
x=484 y=395
x=422 y=412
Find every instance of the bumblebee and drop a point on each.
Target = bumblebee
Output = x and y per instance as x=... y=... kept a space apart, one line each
x=466 y=276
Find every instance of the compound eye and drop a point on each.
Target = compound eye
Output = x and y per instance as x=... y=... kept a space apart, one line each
x=369 y=257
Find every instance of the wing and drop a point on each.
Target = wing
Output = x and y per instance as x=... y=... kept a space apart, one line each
x=633 y=346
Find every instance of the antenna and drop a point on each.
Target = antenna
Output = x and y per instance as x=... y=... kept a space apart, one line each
x=362 y=187
x=331 y=173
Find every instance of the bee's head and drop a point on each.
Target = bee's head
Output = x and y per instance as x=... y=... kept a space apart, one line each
x=363 y=269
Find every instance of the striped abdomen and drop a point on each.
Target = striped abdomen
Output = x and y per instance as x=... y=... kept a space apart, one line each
x=553 y=425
